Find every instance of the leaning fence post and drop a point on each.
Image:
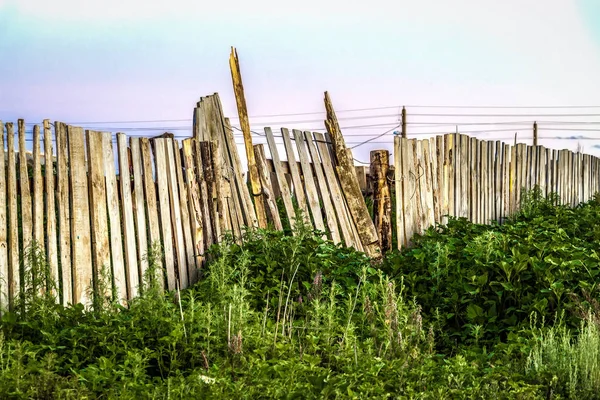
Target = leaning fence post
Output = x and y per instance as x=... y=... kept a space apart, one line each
x=382 y=204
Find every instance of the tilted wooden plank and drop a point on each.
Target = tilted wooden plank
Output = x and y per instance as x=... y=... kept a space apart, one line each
x=98 y=206
x=239 y=189
x=382 y=203
x=64 y=212
x=286 y=195
x=114 y=218
x=139 y=206
x=4 y=280
x=339 y=202
x=131 y=259
x=296 y=179
x=195 y=205
x=38 y=192
x=80 y=218
x=50 y=208
x=331 y=219
x=185 y=214
x=25 y=190
x=151 y=206
x=224 y=225
x=176 y=216
x=267 y=188
x=14 y=266
x=165 y=210
x=309 y=182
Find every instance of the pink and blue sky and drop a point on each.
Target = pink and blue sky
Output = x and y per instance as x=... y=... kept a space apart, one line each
x=124 y=60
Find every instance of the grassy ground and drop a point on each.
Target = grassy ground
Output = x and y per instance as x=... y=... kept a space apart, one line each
x=471 y=311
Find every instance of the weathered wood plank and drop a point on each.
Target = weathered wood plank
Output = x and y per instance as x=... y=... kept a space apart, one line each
x=204 y=197
x=185 y=215
x=267 y=188
x=131 y=259
x=98 y=206
x=439 y=179
x=195 y=206
x=50 y=208
x=237 y=201
x=165 y=210
x=309 y=182
x=497 y=181
x=296 y=179
x=114 y=218
x=286 y=195
x=64 y=212
x=408 y=189
x=206 y=149
x=249 y=214
x=465 y=181
x=80 y=218
x=151 y=205
x=4 y=275
x=399 y=188
x=382 y=203
x=330 y=215
x=219 y=195
x=176 y=216
x=38 y=192
x=238 y=87
x=339 y=202
x=14 y=276
x=474 y=189
x=139 y=206
x=427 y=184
x=24 y=191
x=505 y=180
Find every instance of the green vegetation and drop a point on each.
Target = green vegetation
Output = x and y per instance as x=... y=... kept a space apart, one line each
x=471 y=311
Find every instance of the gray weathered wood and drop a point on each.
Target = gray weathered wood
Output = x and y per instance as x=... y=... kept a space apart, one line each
x=98 y=207
x=50 y=208
x=80 y=218
x=165 y=210
x=14 y=276
x=267 y=188
x=176 y=216
x=114 y=218
x=139 y=206
x=195 y=205
x=38 y=192
x=130 y=250
x=64 y=212
x=296 y=179
x=4 y=303
x=25 y=190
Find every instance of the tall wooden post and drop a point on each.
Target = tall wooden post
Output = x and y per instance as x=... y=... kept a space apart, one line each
x=254 y=176
x=403 y=122
x=382 y=204
x=535 y=134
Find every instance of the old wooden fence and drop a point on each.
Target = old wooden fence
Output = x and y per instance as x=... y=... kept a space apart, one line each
x=91 y=215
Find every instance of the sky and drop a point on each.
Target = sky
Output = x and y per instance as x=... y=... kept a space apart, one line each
x=132 y=60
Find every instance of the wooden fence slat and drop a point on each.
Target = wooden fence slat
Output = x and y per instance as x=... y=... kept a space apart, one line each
x=206 y=149
x=449 y=155
x=130 y=253
x=245 y=200
x=24 y=190
x=295 y=173
x=80 y=218
x=464 y=147
x=505 y=210
x=497 y=181
x=139 y=206
x=14 y=276
x=165 y=210
x=151 y=203
x=483 y=195
x=237 y=200
x=114 y=218
x=50 y=207
x=98 y=205
x=204 y=197
x=339 y=202
x=427 y=184
x=185 y=215
x=286 y=195
x=38 y=192
x=409 y=188
x=195 y=205
x=64 y=212
x=176 y=216
x=473 y=171
x=4 y=279
x=439 y=180
x=331 y=220
x=265 y=180
x=399 y=189
x=224 y=224
x=309 y=182
x=382 y=203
